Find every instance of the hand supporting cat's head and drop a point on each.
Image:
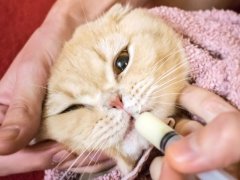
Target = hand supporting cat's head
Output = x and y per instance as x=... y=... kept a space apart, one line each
x=124 y=63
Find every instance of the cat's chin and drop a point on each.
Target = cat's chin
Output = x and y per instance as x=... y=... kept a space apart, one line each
x=133 y=143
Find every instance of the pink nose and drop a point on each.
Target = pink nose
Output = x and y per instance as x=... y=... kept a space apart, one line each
x=117 y=103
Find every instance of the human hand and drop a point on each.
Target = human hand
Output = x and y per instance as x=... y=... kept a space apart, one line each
x=211 y=147
x=22 y=89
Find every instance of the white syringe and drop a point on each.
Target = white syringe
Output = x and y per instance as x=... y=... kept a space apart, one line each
x=161 y=135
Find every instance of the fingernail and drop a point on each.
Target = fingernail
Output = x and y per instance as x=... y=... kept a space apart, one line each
x=9 y=132
x=156 y=168
x=60 y=156
x=185 y=150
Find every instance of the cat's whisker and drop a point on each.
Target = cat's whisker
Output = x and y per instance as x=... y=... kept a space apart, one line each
x=166 y=94
x=171 y=71
x=172 y=51
x=100 y=132
x=168 y=73
x=142 y=83
x=87 y=23
x=72 y=151
x=175 y=82
x=163 y=87
x=150 y=89
x=160 y=63
x=96 y=162
x=75 y=161
x=64 y=158
x=157 y=102
x=143 y=89
x=79 y=156
x=168 y=84
x=99 y=148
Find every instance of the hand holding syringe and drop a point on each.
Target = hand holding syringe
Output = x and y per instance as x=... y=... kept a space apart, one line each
x=161 y=136
x=201 y=151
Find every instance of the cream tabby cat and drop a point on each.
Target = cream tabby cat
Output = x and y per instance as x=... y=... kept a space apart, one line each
x=112 y=69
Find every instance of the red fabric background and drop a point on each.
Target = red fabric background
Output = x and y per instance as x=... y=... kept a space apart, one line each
x=18 y=20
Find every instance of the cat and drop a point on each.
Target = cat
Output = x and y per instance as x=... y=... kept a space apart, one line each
x=112 y=69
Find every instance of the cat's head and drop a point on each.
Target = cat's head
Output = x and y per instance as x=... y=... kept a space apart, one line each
x=112 y=69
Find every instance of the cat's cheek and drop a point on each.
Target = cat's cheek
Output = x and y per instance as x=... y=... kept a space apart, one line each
x=134 y=144
x=109 y=129
x=131 y=104
x=132 y=148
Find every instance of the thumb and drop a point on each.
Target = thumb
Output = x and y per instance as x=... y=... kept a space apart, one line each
x=214 y=146
x=22 y=118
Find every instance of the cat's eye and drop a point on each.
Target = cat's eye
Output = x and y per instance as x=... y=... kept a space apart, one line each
x=72 y=108
x=121 y=62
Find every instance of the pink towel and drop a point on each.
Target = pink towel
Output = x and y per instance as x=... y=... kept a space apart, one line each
x=212 y=44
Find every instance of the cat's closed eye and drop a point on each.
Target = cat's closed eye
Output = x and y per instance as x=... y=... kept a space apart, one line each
x=72 y=108
x=121 y=62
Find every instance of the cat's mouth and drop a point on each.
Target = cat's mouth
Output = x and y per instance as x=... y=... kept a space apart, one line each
x=131 y=126
x=132 y=119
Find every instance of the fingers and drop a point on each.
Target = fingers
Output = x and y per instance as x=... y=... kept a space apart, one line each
x=203 y=103
x=88 y=163
x=97 y=167
x=156 y=168
x=187 y=126
x=33 y=158
x=208 y=147
x=22 y=118
x=3 y=110
x=159 y=169
x=214 y=146
x=51 y=155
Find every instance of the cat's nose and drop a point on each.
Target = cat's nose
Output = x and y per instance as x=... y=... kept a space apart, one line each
x=116 y=102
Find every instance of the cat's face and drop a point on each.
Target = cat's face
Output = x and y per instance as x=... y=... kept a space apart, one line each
x=112 y=69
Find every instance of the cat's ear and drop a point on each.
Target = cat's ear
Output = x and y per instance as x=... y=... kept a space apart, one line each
x=117 y=11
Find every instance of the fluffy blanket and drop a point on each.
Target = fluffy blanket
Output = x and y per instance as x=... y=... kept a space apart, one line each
x=212 y=45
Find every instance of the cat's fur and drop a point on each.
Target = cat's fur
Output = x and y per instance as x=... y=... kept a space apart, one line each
x=84 y=74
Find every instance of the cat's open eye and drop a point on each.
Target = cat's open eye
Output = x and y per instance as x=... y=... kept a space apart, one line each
x=72 y=108
x=121 y=62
